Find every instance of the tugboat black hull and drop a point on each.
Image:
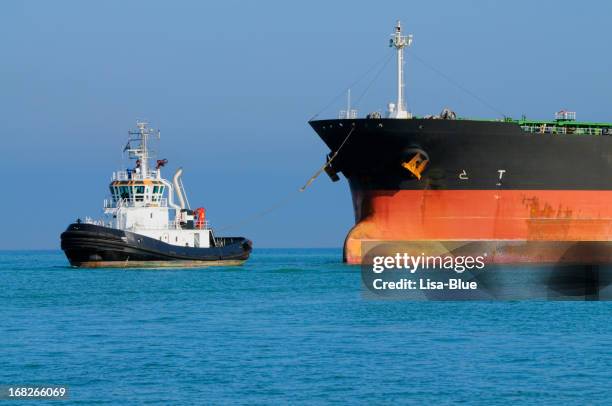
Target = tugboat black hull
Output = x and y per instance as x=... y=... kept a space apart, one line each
x=93 y=246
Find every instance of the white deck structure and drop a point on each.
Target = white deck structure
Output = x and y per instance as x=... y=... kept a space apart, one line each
x=138 y=201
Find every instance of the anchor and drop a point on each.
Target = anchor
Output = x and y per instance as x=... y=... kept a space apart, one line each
x=416 y=165
x=330 y=170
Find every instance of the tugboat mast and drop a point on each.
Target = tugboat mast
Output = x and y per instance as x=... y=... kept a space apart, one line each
x=141 y=151
x=399 y=42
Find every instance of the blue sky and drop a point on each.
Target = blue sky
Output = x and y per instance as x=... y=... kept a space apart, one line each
x=231 y=85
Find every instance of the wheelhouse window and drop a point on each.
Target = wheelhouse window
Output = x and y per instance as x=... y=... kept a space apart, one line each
x=124 y=192
x=158 y=192
x=139 y=193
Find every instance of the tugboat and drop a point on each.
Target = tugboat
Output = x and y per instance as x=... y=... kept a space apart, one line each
x=139 y=230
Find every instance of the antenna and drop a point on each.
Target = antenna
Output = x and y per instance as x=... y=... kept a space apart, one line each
x=348 y=102
x=141 y=151
x=348 y=113
x=399 y=42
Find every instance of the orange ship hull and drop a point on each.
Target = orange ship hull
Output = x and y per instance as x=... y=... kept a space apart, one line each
x=512 y=226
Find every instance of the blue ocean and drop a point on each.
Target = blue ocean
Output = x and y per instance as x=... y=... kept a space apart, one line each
x=289 y=327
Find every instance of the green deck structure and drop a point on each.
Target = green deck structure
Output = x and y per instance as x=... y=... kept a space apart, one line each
x=564 y=124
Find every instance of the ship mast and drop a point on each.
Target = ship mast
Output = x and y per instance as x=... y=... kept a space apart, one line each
x=399 y=42
x=141 y=151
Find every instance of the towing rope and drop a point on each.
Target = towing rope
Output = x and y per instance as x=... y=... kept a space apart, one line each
x=247 y=220
x=292 y=195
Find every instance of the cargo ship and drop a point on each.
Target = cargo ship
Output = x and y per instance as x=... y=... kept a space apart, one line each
x=145 y=226
x=521 y=191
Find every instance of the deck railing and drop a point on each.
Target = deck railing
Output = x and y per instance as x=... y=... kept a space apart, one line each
x=555 y=129
x=95 y=222
x=347 y=114
x=172 y=225
x=123 y=175
x=110 y=203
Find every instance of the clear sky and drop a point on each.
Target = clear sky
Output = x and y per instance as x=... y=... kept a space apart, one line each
x=231 y=85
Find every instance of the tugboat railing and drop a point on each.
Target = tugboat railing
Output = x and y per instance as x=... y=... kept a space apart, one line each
x=95 y=222
x=172 y=225
x=110 y=204
x=133 y=175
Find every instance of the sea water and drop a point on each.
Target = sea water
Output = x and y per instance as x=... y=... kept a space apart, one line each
x=290 y=326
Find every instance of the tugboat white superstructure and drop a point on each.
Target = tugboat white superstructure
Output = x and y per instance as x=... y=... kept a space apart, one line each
x=146 y=229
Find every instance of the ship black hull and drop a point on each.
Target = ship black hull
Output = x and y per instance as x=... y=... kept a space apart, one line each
x=466 y=155
x=93 y=246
